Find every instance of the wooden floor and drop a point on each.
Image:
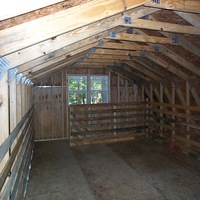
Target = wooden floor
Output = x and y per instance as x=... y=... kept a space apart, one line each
x=122 y=171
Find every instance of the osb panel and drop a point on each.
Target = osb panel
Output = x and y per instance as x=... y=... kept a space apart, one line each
x=40 y=13
x=156 y=67
x=185 y=54
x=168 y=16
x=195 y=39
x=174 y=64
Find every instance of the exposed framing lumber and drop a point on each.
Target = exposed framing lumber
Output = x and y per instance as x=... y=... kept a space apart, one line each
x=13 y=104
x=166 y=65
x=186 y=5
x=127 y=46
x=53 y=47
x=126 y=74
x=192 y=18
x=134 y=72
x=143 y=70
x=28 y=67
x=184 y=43
x=163 y=26
x=109 y=57
x=179 y=92
x=116 y=52
x=193 y=91
x=47 y=50
x=174 y=56
x=54 y=67
x=93 y=64
x=54 y=25
x=151 y=67
x=97 y=60
x=141 y=38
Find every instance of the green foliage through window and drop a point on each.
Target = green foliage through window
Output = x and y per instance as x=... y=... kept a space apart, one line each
x=79 y=92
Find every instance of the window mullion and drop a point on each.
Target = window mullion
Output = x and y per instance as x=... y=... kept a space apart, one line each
x=88 y=88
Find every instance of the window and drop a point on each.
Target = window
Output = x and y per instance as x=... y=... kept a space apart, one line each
x=99 y=89
x=87 y=89
x=77 y=87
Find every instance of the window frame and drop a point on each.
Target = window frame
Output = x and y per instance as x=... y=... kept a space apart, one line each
x=88 y=88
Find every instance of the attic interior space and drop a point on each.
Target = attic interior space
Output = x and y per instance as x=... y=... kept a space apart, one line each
x=100 y=99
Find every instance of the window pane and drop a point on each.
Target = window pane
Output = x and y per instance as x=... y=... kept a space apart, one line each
x=99 y=83
x=99 y=89
x=77 y=89
x=77 y=98
x=99 y=97
x=77 y=82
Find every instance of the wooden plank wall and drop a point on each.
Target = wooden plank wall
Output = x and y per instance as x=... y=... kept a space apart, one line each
x=108 y=122
x=17 y=145
x=50 y=108
x=50 y=100
x=123 y=90
x=175 y=111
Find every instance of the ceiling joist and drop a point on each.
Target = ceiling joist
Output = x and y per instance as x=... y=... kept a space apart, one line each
x=140 y=38
x=163 y=26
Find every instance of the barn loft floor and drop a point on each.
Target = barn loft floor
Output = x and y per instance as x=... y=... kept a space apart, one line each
x=123 y=171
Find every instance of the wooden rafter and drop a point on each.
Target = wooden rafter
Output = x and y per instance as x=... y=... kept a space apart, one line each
x=85 y=48
x=30 y=62
x=109 y=57
x=143 y=70
x=116 y=52
x=166 y=65
x=58 y=65
x=127 y=46
x=89 y=33
x=181 y=5
x=192 y=18
x=151 y=67
x=174 y=56
x=184 y=43
x=163 y=26
x=19 y=37
x=141 y=38
x=97 y=60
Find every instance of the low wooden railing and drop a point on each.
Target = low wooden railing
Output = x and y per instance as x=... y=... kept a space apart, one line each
x=181 y=121
x=17 y=150
x=109 y=122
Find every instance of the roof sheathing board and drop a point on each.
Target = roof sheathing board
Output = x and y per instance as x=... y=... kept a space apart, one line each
x=40 y=13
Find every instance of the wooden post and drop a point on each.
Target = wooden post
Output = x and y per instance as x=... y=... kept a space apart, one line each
x=67 y=108
x=173 y=116
x=4 y=108
x=151 y=112
x=188 y=112
x=161 y=109
x=62 y=114
x=118 y=88
x=13 y=104
x=52 y=107
x=19 y=102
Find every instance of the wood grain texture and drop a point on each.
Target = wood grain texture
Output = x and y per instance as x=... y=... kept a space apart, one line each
x=163 y=26
x=141 y=38
x=20 y=36
x=181 y=5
